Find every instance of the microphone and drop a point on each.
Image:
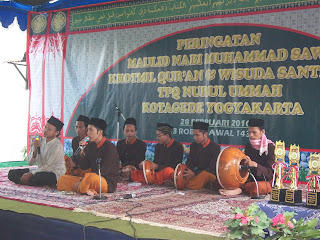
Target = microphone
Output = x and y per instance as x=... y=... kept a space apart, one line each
x=86 y=139
x=37 y=138
x=119 y=113
x=130 y=195
x=117 y=107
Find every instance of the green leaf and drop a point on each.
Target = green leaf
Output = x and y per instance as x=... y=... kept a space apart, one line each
x=288 y=214
x=274 y=229
x=237 y=234
x=238 y=210
x=254 y=223
x=314 y=233
x=269 y=238
x=226 y=236
x=254 y=238
x=262 y=225
x=235 y=224
x=229 y=222
x=252 y=208
x=302 y=228
x=276 y=236
x=312 y=223
x=244 y=232
x=286 y=238
x=300 y=221
x=257 y=231
x=287 y=231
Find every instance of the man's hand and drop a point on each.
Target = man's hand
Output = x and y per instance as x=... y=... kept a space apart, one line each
x=83 y=143
x=26 y=177
x=141 y=165
x=70 y=163
x=82 y=153
x=37 y=144
x=153 y=166
x=249 y=162
x=188 y=173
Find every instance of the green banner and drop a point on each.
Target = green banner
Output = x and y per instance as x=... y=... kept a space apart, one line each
x=158 y=10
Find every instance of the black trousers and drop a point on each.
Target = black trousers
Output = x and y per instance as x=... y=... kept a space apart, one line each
x=38 y=179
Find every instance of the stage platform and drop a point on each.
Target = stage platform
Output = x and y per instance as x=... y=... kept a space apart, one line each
x=157 y=212
x=58 y=206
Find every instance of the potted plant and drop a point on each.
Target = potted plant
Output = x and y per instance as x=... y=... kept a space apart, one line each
x=251 y=223
x=286 y=227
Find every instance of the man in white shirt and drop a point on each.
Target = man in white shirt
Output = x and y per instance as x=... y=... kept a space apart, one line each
x=48 y=153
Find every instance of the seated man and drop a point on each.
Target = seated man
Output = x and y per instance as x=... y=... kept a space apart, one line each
x=131 y=150
x=168 y=154
x=72 y=163
x=48 y=153
x=260 y=158
x=202 y=159
x=98 y=148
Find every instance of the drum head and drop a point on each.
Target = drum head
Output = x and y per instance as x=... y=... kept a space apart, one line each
x=180 y=182
x=148 y=174
x=229 y=174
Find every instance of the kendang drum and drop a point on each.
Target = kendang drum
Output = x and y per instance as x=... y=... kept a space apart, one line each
x=179 y=181
x=149 y=175
x=229 y=172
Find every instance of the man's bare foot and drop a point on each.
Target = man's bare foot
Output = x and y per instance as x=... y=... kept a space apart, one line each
x=90 y=193
x=234 y=192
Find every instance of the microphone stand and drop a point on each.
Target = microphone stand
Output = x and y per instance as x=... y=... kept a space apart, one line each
x=99 y=197
x=119 y=113
x=255 y=180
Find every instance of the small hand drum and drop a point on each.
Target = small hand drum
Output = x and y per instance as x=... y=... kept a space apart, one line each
x=149 y=175
x=178 y=179
x=229 y=173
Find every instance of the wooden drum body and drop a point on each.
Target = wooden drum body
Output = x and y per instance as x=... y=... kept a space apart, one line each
x=179 y=181
x=229 y=174
x=149 y=175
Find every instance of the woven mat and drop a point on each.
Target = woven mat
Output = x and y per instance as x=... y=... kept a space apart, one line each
x=68 y=200
x=197 y=211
